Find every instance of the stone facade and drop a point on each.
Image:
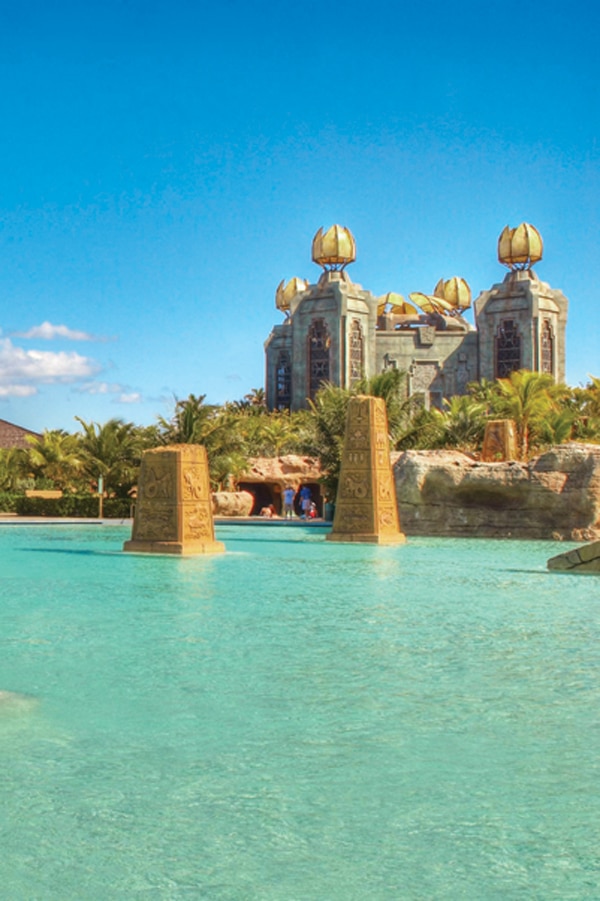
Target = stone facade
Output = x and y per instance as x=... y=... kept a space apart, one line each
x=335 y=332
x=521 y=324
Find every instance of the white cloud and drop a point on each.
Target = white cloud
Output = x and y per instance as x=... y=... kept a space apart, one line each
x=101 y=388
x=134 y=397
x=48 y=332
x=17 y=390
x=125 y=394
x=21 y=370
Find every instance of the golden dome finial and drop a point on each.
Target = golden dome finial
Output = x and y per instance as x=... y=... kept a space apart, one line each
x=335 y=248
x=286 y=293
x=521 y=247
x=455 y=291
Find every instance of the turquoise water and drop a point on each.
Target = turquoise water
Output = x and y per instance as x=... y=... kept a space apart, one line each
x=296 y=720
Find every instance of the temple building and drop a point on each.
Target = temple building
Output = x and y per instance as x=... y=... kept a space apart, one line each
x=336 y=331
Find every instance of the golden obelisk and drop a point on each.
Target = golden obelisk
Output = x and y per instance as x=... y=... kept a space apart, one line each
x=173 y=513
x=365 y=507
x=499 y=441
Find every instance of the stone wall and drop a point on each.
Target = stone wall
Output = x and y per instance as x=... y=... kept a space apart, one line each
x=447 y=493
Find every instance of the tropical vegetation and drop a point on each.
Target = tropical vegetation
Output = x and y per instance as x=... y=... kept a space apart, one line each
x=109 y=454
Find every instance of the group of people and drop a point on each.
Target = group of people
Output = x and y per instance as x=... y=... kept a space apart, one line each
x=307 y=505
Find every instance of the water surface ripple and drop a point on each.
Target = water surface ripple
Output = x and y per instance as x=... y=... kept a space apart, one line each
x=297 y=720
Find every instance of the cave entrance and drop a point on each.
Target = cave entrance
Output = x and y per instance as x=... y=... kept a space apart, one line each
x=265 y=494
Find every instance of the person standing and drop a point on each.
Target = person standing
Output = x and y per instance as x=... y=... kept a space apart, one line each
x=305 y=499
x=288 y=502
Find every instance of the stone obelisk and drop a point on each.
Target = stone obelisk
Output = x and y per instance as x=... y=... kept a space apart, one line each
x=499 y=441
x=173 y=513
x=365 y=507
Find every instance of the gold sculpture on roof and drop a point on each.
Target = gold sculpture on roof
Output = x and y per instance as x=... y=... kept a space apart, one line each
x=396 y=304
x=286 y=293
x=335 y=248
x=454 y=291
x=431 y=304
x=521 y=247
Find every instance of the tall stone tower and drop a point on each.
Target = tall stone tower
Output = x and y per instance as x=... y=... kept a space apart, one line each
x=337 y=332
x=521 y=321
x=328 y=335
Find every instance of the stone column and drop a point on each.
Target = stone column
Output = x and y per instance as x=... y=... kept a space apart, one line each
x=366 y=508
x=499 y=441
x=173 y=513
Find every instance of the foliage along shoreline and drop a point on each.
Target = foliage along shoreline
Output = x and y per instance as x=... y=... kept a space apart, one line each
x=545 y=414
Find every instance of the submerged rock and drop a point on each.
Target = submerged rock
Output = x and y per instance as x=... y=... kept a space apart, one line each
x=13 y=702
x=584 y=559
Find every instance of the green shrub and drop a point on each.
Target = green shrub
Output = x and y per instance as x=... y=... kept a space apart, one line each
x=117 y=507
x=68 y=505
x=8 y=501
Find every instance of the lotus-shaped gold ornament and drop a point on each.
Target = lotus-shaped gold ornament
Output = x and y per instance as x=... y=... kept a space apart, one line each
x=454 y=291
x=521 y=247
x=335 y=248
x=285 y=293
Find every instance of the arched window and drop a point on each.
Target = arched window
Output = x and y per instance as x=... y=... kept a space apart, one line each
x=357 y=362
x=283 y=381
x=508 y=349
x=547 y=348
x=319 y=344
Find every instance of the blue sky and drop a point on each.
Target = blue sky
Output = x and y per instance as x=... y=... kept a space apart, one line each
x=165 y=164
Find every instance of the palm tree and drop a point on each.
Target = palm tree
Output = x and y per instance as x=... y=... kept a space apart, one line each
x=461 y=423
x=113 y=451
x=556 y=427
x=391 y=386
x=56 y=456
x=218 y=429
x=585 y=406
x=190 y=421
x=14 y=468
x=526 y=397
x=329 y=410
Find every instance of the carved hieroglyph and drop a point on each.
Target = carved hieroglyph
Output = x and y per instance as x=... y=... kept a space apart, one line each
x=365 y=508
x=173 y=513
x=500 y=441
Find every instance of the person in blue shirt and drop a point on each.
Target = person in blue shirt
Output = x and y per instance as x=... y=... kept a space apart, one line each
x=288 y=502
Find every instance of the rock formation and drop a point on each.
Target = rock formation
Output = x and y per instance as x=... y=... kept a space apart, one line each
x=290 y=469
x=584 y=559
x=555 y=495
x=232 y=503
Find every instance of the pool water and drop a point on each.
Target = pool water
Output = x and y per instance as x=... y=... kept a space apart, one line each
x=296 y=720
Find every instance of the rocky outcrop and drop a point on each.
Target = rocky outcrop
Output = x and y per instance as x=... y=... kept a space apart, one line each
x=447 y=493
x=584 y=559
x=232 y=503
x=290 y=469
